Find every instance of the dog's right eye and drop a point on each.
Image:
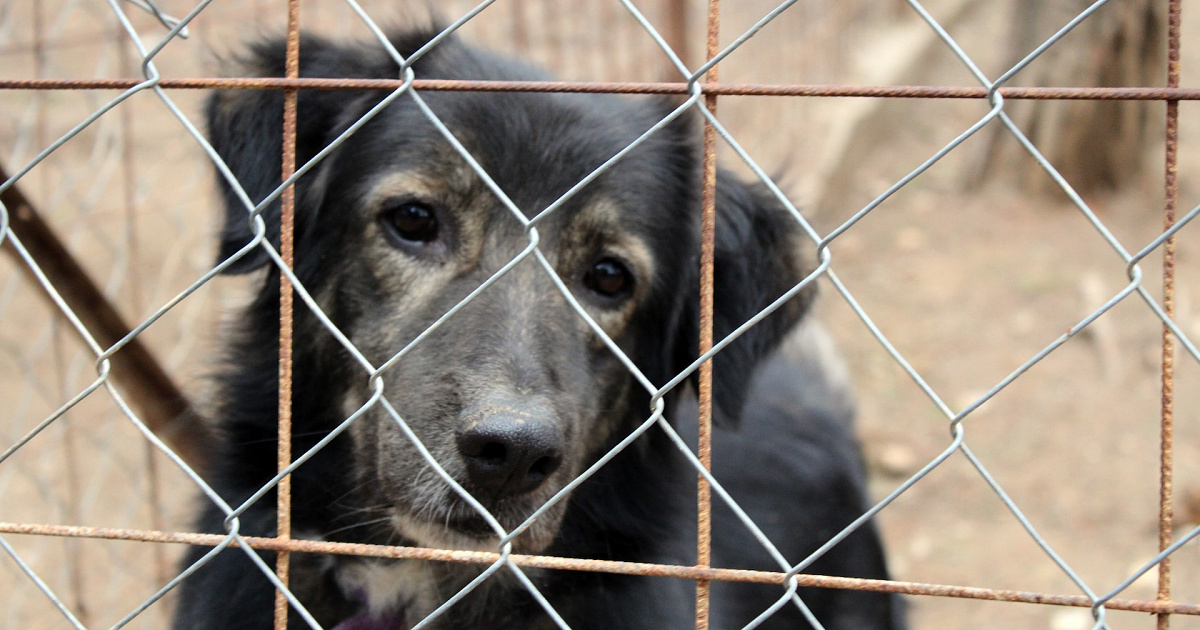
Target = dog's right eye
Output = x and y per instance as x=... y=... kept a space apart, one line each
x=412 y=221
x=609 y=278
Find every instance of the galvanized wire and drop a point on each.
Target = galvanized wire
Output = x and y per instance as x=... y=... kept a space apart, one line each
x=700 y=99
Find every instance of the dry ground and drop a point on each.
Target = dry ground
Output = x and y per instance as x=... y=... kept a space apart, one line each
x=968 y=281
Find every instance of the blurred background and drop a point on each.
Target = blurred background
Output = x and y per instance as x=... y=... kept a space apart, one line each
x=970 y=270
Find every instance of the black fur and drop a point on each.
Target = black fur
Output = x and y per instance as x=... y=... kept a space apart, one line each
x=792 y=463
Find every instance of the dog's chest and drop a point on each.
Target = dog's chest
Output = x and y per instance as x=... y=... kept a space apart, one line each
x=392 y=593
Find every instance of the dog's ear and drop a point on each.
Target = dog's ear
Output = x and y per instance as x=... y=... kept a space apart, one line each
x=245 y=127
x=760 y=254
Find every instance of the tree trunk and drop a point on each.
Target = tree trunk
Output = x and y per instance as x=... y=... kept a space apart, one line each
x=1095 y=145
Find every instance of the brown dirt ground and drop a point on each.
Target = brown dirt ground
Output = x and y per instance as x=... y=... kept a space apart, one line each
x=967 y=281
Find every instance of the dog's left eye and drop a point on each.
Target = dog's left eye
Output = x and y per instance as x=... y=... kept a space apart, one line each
x=609 y=277
x=412 y=221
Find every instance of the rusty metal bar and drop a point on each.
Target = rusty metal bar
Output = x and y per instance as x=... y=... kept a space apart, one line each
x=708 y=223
x=287 y=240
x=602 y=566
x=702 y=573
x=1166 y=516
x=624 y=87
x=162 y=406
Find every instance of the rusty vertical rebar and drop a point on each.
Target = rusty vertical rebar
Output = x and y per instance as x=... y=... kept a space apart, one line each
x=1163 y=611
x=287 y=251
x=708 y=223
x=1167 y=464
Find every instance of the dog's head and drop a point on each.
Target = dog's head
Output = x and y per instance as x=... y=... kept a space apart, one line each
x=514 y=394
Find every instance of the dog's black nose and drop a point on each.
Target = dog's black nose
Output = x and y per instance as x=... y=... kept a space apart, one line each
x=508 y=452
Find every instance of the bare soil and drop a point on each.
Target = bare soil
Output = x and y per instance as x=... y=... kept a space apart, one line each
x=967 y=280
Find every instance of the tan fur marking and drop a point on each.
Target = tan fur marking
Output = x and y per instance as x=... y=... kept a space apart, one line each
x=601 y=222
x=414 y=281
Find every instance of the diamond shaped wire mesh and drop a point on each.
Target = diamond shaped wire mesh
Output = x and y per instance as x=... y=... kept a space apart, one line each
x=73 y=157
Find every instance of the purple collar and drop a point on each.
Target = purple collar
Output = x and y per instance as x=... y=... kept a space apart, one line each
x=365 y=620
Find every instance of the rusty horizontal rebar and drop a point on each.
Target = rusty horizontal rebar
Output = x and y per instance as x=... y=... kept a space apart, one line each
x=601 y=566
x=619 y=87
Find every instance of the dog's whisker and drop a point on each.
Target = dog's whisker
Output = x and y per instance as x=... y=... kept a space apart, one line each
x=363 y=524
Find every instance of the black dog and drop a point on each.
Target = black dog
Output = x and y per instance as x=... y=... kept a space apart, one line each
x=515 y=395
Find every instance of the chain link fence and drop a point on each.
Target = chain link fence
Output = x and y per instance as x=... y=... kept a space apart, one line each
x=98 y=142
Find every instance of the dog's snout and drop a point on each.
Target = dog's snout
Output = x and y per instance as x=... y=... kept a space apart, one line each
x=508 y=452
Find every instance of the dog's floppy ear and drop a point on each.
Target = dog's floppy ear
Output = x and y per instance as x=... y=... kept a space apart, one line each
x=246 y=128
x=761 y=253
